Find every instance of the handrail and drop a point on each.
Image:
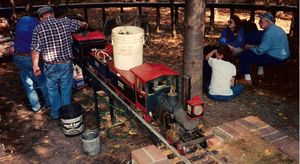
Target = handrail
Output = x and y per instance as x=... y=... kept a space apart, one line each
x=172 y=5
x=165 y=4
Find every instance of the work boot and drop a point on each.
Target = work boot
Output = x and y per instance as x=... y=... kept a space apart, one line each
x=244 y=82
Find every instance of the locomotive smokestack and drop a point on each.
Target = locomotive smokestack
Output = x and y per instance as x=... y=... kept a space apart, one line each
x=186 y=90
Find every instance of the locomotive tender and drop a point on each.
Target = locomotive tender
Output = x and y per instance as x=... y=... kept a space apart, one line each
x=150 y=88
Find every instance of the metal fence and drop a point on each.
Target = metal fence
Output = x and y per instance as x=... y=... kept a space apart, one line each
x=174 y=7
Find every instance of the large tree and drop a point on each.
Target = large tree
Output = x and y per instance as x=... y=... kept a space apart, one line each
x=193 y=43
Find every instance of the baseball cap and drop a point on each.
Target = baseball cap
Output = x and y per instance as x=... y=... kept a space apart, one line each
x=268 y=16
x=43 y=10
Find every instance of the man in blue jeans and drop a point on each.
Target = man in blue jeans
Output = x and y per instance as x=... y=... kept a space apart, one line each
x=22 y=58
x=53 y=42
x=272 y=50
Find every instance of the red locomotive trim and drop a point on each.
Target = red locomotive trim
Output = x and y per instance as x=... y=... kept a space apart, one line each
x=150 y=71
x=141 y=107
x=120 y=93
x=196 y=100
x=95 y=35
x=126 y=76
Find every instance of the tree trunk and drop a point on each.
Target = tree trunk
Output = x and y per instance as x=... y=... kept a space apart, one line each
x=193 y=44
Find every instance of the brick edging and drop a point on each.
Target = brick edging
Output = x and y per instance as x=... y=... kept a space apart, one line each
x=241 y=128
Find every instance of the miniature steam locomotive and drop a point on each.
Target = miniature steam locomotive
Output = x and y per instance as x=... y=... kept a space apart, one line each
x=150 y=88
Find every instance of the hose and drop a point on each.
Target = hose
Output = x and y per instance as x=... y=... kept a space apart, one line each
x=118 y=111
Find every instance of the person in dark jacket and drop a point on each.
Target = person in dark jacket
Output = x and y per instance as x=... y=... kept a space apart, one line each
x=22 y=58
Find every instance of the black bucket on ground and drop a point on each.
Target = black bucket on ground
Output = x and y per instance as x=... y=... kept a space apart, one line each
x=71 y=118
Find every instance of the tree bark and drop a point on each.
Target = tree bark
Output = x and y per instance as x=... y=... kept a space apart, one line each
x=193 y=44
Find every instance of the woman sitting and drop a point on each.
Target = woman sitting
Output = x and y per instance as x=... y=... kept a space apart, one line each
x=233 y=36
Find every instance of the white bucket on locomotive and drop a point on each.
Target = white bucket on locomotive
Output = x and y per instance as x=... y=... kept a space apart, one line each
x=127 y=46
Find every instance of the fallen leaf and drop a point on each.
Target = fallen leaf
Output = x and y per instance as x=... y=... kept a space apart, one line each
x=261 y=93
x=267 y=152
x=117 y=146
x=131 y=132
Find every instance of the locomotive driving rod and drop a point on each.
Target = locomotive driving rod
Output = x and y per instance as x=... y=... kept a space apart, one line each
x=113 y=95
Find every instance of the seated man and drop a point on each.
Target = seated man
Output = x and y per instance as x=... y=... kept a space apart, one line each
x=221 y=86
x=272 y=50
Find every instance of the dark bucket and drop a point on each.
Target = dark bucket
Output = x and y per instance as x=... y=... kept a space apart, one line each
x=71 y=118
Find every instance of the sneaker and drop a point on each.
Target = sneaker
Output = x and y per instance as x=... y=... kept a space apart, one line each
x=42 y=109
x=244 y=82
x=37 y=111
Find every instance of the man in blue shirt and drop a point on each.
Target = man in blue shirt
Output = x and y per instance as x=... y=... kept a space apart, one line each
x=22 y=58
x=272 y=50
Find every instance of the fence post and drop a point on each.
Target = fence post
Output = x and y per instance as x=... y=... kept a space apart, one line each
x=252 y=15
x=274 y=14
x=85 y=14
x=294 y=29
x=212 y=19
x=103 y=15
x=157 y=19
x=172 y=19
x=176 y=15
x=231 y=12
x=140 y=10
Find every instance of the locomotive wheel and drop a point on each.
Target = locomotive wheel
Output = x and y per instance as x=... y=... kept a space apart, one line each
x=167 y=121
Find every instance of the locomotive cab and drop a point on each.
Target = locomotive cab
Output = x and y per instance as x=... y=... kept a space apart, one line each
x=152 y=80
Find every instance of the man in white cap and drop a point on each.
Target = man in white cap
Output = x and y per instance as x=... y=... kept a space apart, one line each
x=52 y=41
x=273 y=49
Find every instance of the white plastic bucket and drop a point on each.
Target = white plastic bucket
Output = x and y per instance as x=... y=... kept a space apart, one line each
x=127 y=46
